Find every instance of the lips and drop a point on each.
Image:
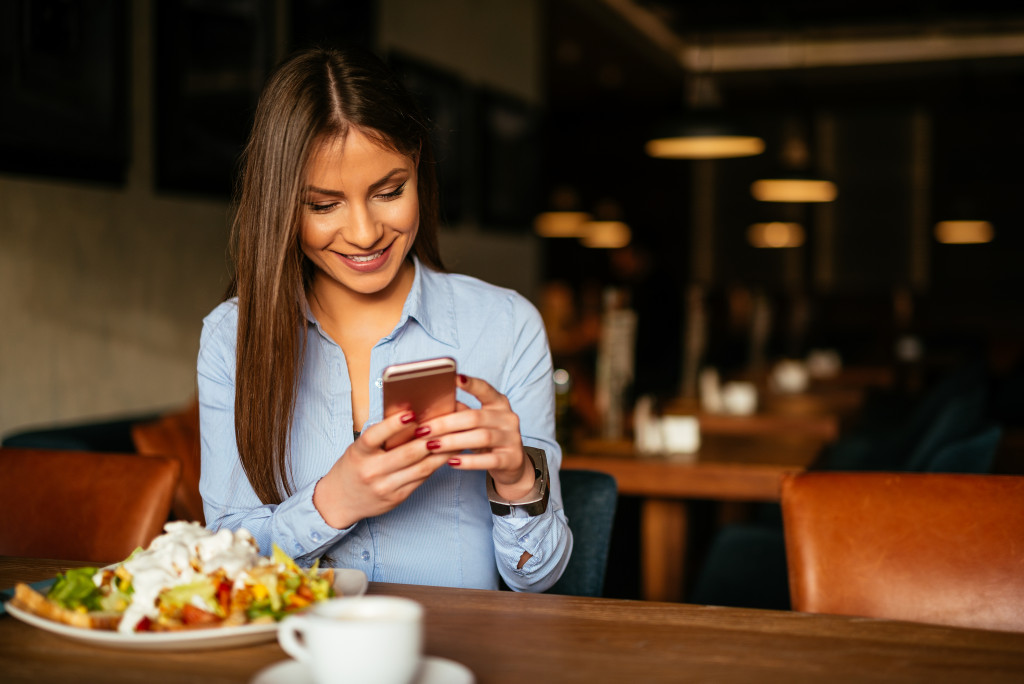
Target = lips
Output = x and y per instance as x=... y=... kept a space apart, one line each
x=364 y=258
x=366 y=263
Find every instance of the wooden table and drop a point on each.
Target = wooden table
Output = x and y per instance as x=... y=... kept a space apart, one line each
x=514 y=638
x=737 y=467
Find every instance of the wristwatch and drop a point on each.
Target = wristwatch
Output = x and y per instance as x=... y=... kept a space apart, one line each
x=534 y=503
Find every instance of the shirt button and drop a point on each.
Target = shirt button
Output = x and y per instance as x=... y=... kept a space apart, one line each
x=525 y=539
x=379 y=382
x=315 y=536
x=365 y=555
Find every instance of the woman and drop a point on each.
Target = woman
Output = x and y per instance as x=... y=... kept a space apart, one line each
x=338 y=275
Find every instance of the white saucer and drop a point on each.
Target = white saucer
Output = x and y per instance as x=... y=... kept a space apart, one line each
x=433 y=671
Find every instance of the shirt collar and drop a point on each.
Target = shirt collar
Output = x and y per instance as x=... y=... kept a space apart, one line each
x=431 y=303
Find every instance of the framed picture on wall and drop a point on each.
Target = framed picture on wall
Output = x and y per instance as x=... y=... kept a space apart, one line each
x=509 y=161
x=445 y=100
x=211 y=61
x=63 y=75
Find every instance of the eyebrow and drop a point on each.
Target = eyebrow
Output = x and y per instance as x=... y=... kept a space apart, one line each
x=373 y=186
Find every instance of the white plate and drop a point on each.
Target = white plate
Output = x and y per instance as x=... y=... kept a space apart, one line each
x=346 y=583
x=433 y=671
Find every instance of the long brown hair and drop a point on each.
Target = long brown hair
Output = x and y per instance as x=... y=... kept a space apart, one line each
x=312 y=96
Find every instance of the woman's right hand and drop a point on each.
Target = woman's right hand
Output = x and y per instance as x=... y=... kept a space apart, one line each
x=368 y=481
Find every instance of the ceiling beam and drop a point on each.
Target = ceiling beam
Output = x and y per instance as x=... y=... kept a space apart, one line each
x=712 y=55
x=800 y=53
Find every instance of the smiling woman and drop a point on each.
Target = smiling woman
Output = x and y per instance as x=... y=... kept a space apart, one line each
x=338 y=276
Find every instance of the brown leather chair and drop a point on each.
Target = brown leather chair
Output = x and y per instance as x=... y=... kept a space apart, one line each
x=82 y=505
x=926 y=547
x=176 y=435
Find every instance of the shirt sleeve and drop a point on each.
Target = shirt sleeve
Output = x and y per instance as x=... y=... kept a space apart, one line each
x=229 y=500
x=530 y=390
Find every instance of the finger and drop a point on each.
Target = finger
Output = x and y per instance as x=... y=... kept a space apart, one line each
x=377 y=434
x=406 y=480
x=482 y=390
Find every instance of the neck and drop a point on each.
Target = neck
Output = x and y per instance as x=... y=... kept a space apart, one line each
x=338 y=305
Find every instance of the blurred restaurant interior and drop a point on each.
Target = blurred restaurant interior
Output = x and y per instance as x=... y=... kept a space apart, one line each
x=124 y=121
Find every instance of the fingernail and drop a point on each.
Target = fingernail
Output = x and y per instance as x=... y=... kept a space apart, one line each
x=422 y=430
x=454 y=461
x=433 y=444
x=409 y=417
x=463 y=379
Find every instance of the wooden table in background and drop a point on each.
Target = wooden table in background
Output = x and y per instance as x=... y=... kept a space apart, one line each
x=728 y=467
x=508 y=638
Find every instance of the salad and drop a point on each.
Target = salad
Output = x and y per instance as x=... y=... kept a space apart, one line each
x=188 y=578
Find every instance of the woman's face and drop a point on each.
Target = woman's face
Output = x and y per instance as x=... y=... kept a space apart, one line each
x=360 y=213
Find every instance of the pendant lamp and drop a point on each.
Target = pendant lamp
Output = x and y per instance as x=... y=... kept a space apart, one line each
x=703 y=133
x=793 y=183
x=607 y=230
x=564 y=219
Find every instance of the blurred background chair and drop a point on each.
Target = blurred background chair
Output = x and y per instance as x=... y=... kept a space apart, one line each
x=176 y=434
x=82 y=505
x=946 y=428
x=172 y=433
x=937 y=548
x=589 y=498
x=107 y=435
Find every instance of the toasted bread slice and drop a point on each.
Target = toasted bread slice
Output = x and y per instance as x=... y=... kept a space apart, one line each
x=27 y=598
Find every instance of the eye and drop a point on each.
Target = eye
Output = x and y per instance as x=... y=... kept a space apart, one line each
x=397 y=192
x=321 y=207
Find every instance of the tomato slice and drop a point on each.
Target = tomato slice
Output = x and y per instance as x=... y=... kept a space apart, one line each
x=224 y=597
x=190 y=615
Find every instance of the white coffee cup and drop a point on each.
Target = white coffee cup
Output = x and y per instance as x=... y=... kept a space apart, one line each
x=680 y=434
x=739 y=398
x=365 y=639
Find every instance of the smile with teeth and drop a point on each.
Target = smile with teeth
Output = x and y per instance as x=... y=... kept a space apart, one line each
x=363 y=258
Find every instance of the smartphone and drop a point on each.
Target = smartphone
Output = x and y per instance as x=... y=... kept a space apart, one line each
x=425 y=387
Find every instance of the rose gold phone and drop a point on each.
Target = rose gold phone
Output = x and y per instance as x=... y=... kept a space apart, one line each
x=425 y=387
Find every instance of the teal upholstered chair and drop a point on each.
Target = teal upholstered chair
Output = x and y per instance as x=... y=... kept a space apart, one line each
x=589 y=498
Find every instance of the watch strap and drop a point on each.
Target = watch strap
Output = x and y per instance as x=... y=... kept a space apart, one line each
x=536 y=501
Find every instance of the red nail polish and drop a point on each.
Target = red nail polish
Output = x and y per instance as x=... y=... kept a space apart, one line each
x=422 y=430
x=409 y=417
x=463 y=379
x=433 y=444
x=454 y=461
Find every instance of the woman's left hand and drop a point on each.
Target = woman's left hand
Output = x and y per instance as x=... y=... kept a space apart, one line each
x=489 y=435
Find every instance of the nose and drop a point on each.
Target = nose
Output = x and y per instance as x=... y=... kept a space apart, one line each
x=362 y=229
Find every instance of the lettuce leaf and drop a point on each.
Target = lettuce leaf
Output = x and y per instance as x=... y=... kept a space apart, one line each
x=75 y=589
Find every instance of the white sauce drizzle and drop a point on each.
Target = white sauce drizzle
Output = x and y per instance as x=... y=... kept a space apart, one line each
x=184 y=553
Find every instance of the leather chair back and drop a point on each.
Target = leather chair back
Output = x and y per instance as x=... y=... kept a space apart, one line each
x=926 y=547
x=82 y=505
x=176 y=435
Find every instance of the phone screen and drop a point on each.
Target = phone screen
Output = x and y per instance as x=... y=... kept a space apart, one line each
x=425 y=387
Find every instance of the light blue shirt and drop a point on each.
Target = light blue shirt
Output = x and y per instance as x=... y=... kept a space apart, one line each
x=444 y=534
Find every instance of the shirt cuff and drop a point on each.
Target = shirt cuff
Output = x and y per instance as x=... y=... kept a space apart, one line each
x=301 y=523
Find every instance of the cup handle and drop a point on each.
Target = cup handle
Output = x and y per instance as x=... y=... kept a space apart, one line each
x=289 y=636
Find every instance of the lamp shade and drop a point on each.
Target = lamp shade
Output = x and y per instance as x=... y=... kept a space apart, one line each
x=776 y=235
x=561 y=224
x=606 y=235
x=702 y=139
x=793 y=188
x=964 y=232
